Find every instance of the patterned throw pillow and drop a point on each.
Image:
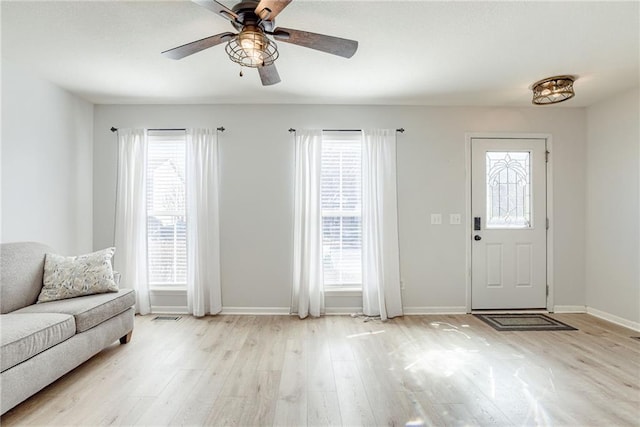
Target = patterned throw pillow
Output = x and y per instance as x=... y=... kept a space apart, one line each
x=68 y=277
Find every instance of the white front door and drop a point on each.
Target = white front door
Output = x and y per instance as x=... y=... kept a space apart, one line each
x=509 y=224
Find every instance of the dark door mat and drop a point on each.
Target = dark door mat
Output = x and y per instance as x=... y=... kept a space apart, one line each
x=523 y=322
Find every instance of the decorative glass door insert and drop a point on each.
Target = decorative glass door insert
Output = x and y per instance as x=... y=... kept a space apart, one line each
x=508 y=189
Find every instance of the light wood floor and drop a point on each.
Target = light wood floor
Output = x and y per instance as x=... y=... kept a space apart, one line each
x=337 y=370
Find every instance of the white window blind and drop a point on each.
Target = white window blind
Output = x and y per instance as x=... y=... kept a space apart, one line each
x=341 y=192
x=166 y=212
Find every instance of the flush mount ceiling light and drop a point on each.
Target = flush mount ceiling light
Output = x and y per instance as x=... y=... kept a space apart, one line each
x=553 y=90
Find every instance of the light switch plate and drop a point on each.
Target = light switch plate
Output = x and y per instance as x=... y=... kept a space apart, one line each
x=455 y=219
x=436 y=219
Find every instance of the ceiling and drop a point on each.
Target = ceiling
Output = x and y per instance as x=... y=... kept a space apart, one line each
x=476 y=53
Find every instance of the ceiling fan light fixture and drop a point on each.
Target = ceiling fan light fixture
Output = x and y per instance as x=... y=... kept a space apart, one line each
x=252 y=48
x=553 y=90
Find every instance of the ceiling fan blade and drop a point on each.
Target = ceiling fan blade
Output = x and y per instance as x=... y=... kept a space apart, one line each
x=269 y=75
x=269 y=9
x=333 y=45
x=218 y=8
x=196 y=46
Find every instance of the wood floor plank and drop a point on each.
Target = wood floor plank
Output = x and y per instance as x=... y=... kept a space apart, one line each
x=273 y=340
x=355 y=408
x=319 y=365
x=202 y=397
x=339 y=370
x=323 y=409
x=166 y=405
x=291 y=410
x=260 y=407
x=291 y=404
x=119 y=411
x=294 y=371
x=427 y=413
x=339 y=344
x=227 y=411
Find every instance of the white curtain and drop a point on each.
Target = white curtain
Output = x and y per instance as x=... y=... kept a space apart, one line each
x=203 y=238
x=380 y=249
x=130 y=238
x=308 y=293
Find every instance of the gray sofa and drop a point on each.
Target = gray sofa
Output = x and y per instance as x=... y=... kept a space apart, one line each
x=42 y=342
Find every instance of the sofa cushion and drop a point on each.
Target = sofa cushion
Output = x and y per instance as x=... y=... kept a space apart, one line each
x=89 y=310
x=74 y=276
x=21 y=268
x=25 y=335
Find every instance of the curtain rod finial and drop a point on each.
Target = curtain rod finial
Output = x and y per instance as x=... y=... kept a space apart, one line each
x=113 y=129
x=292 y=130
x=401 y=130
x=220 y=129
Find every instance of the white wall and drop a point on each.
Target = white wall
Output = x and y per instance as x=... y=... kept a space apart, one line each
x=257 y=190
x=47 y=169
x=59 y=189
x=613 y=208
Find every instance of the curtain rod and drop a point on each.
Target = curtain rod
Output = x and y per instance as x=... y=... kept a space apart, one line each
x=220 y=129
x=401 y=130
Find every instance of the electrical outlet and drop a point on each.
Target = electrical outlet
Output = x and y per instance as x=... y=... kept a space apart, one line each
x=455 y=219
x=436 y=219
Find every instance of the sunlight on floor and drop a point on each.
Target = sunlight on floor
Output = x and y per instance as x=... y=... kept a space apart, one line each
x=363 y=334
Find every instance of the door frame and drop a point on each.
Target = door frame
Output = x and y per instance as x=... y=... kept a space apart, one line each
x=468 y=233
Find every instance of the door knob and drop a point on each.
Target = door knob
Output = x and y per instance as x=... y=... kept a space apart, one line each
x=476 y=237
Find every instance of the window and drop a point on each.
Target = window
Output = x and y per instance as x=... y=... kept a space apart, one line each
x=166 y=212
x=340 y=191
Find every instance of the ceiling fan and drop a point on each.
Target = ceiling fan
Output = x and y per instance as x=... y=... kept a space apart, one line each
x=255 y=20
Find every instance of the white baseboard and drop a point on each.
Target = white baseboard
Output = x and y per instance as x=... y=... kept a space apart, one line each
x=614 y=319
x=157 y=309
x=570 y=309
x=410 y=311
x=256 y=310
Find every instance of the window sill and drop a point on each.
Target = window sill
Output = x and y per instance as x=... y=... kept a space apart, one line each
x=343 y=291
x=167 y=290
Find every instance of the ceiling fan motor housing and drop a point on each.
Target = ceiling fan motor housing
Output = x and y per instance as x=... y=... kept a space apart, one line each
x=246 y=12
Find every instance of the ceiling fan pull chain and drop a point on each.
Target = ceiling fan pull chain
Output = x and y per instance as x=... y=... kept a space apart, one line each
x=241 y=74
